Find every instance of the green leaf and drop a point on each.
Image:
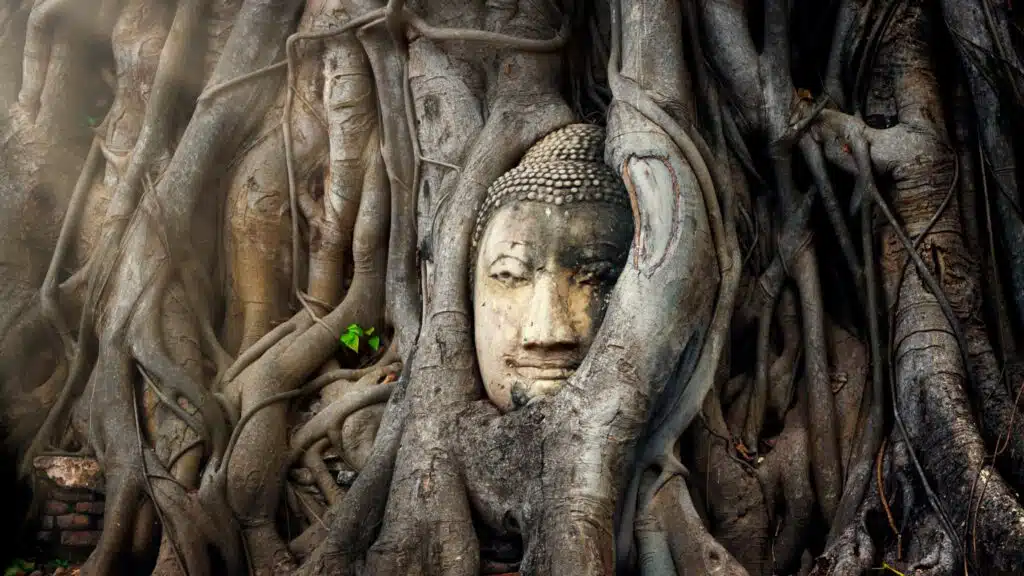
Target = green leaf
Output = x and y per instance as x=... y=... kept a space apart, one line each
x=351 y=339
x=369 y=332
x=374 y=342
x=19 y=566
x=354 y=329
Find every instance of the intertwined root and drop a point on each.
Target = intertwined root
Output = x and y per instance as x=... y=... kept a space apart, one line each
x=236 y=199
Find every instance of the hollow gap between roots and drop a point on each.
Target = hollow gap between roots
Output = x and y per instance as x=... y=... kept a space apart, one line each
x=501 y=551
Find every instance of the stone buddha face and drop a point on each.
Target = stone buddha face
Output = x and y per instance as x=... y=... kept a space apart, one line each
x=545 y=265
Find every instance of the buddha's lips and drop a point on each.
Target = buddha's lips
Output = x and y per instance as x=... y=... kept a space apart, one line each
x=545 y=370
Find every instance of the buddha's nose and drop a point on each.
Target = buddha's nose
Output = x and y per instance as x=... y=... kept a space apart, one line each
x=548 y=323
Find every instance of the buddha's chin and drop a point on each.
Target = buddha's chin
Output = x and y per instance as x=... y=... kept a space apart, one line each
x=525 y=392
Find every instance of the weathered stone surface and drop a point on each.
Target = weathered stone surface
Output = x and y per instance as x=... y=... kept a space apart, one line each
x=80 y=538
x=89 y=507
x=71 y=471
x=73 y=521
x=46 y=523
x=56 y=508
x=532 y=331
x=45 y=536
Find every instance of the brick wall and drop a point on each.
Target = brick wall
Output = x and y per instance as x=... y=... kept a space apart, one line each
x=71 y=516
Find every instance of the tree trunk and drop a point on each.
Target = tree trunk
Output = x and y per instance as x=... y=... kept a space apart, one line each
x=237 y=245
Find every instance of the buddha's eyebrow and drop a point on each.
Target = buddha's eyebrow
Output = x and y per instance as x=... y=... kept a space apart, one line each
x=523 y=259
x=512 y=249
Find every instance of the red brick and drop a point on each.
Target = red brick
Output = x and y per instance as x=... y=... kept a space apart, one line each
x=45 y=536
x=56 y=508
x=89 y=508
x=80 y=538
x=74 y=521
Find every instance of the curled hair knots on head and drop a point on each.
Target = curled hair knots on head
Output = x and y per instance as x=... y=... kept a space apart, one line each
x=564 y=167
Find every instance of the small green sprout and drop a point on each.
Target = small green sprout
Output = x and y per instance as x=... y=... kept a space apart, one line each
x=354 y=333
x=19 y=566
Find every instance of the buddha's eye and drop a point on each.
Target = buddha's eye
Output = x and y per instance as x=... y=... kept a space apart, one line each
x=596 y=273
x=509 y=271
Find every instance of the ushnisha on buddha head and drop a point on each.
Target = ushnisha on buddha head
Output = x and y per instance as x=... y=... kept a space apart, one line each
x=550 y=241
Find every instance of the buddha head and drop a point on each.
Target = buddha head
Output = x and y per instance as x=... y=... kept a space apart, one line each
x=550 y=241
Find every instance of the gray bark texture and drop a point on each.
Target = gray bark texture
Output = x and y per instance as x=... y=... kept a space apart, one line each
x=808 y=365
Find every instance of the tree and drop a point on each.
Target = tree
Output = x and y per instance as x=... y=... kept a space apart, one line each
x=809 y=363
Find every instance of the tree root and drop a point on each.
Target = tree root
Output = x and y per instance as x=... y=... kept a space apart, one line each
x=693 y=377
x=364 y=505
x=202 y=455
x=681 y=542
x=48 y=296
x=257 y=350
x=37 y=53
x=312 y=459
x=181 y=385
x=332 y=416
x=826 y=464
x=736 y=502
